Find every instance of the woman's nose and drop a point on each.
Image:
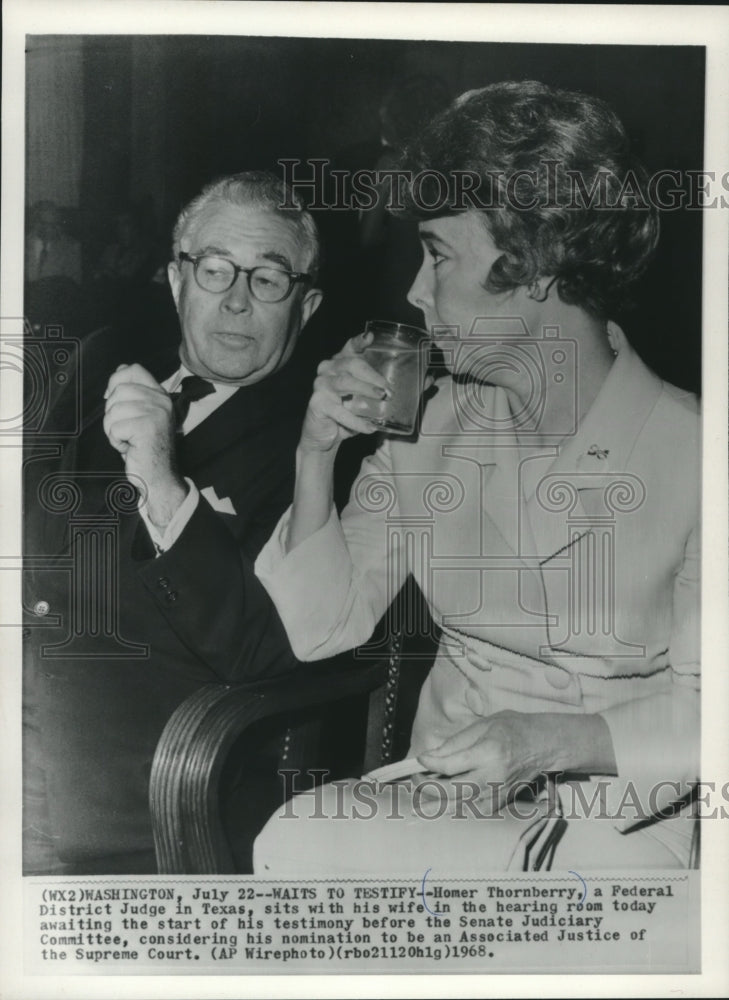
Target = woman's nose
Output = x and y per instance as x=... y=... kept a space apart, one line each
x=419 y=294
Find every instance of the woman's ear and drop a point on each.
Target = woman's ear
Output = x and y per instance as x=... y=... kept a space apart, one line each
x=539 y=288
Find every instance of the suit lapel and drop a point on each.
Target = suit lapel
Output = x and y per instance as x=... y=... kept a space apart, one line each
x=224 y=426
x=490 y=461
x=498 y=453
x=569 y=508
x=573 y=489
x=280 y=397
x=543 y=508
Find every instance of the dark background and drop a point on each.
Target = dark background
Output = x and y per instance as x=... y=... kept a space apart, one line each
x=216 y=105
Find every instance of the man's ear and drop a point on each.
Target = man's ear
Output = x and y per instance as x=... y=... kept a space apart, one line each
x=175 y=279
x=309 y=304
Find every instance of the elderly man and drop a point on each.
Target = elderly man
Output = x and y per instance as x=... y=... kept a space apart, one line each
x=152 y=593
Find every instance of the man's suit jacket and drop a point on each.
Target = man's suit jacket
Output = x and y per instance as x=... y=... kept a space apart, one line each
x=565 y=580
x=117 y=637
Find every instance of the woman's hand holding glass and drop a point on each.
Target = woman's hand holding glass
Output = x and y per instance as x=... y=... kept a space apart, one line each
x=341 y=389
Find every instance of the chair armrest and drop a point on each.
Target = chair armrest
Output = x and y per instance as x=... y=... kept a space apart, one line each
x=183 y=793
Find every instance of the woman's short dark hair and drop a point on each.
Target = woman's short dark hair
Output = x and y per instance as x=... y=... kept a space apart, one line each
x=554 y=176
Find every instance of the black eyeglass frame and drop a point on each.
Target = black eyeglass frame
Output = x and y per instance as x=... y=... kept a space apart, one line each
x=293 y=276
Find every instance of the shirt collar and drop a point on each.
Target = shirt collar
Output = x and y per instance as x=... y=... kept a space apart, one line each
x=172 y=384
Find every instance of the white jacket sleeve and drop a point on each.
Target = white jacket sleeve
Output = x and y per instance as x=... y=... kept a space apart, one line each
x=334 y=587
x=657 y=738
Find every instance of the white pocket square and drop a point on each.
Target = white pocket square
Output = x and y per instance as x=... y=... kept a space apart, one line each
x=223 y=505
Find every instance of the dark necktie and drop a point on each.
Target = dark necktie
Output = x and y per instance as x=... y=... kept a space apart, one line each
x=192 y=388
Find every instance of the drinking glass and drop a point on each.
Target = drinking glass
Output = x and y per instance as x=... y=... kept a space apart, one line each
x=399 y=353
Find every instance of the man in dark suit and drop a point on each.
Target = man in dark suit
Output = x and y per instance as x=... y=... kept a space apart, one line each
x=140 y=585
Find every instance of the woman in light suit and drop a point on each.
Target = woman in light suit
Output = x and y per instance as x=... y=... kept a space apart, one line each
x=548 y=508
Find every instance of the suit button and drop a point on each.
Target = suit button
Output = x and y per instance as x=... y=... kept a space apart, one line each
x=41 y=608
x=171 y=597
x=163 y=582
x=558 y=677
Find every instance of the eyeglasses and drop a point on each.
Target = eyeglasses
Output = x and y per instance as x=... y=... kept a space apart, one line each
x=218 y=274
